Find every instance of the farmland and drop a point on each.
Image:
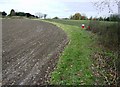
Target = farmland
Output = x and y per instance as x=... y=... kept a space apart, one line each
x=30 y=51
x=56 y=52
x=77 y=23
x=60 y=43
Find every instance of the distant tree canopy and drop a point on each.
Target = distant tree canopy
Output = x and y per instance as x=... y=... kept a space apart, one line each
x=28 y=14
x=0 y=13
x=39 y=15
x=113 y=17
x=84 y=18
x=12 y=13
x=4 y=13
x=65 y=18
x=45 y=15
x=100 y=18
x=55 y=18
x=78 y=16
x=91 y=18
x=106 y=19
x=20 y=14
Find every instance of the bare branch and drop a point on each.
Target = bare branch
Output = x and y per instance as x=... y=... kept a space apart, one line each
x=102 y=4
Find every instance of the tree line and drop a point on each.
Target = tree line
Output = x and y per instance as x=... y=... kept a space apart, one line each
x=112 y=17
x=76 y=16
x=22 y=14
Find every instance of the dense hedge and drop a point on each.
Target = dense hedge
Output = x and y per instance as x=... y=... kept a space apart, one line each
x=108 y=33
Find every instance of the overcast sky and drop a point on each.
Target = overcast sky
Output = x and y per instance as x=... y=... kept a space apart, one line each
x=59 y=8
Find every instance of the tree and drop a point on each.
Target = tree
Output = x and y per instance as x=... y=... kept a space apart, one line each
x=90 y=18
x=55 y=18
x=106 y=19
x=101 y=4
x=28 y=14
x=101 y=19
x=36 y=17
x=114 y=17
x=40 y=15
x=4 y=13
x=84 y=18
x=76 y=16
x=12 y=12
x=71 y=17
x=0 y=14
x=45 y=15
x=20 y=14
x=65 y=18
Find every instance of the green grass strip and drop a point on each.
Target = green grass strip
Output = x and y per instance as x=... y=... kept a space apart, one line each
x=74 y=64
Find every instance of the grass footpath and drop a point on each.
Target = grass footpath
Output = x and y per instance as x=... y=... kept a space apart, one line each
x=74 y=65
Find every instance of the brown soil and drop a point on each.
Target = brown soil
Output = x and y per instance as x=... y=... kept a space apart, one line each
x=30 y=51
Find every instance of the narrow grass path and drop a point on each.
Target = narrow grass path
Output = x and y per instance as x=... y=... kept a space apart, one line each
x=74 y=65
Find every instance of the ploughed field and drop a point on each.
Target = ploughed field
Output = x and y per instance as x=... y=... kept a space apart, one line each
x=30 y=51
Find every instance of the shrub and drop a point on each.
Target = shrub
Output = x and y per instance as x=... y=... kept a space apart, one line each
x=107 y=33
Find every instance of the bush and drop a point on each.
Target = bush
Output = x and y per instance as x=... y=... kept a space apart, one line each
x=107 y=33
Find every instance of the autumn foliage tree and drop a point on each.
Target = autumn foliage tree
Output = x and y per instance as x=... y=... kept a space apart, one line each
x=76 y=16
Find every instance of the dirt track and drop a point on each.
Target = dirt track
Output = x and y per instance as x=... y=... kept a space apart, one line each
x=30 y=51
